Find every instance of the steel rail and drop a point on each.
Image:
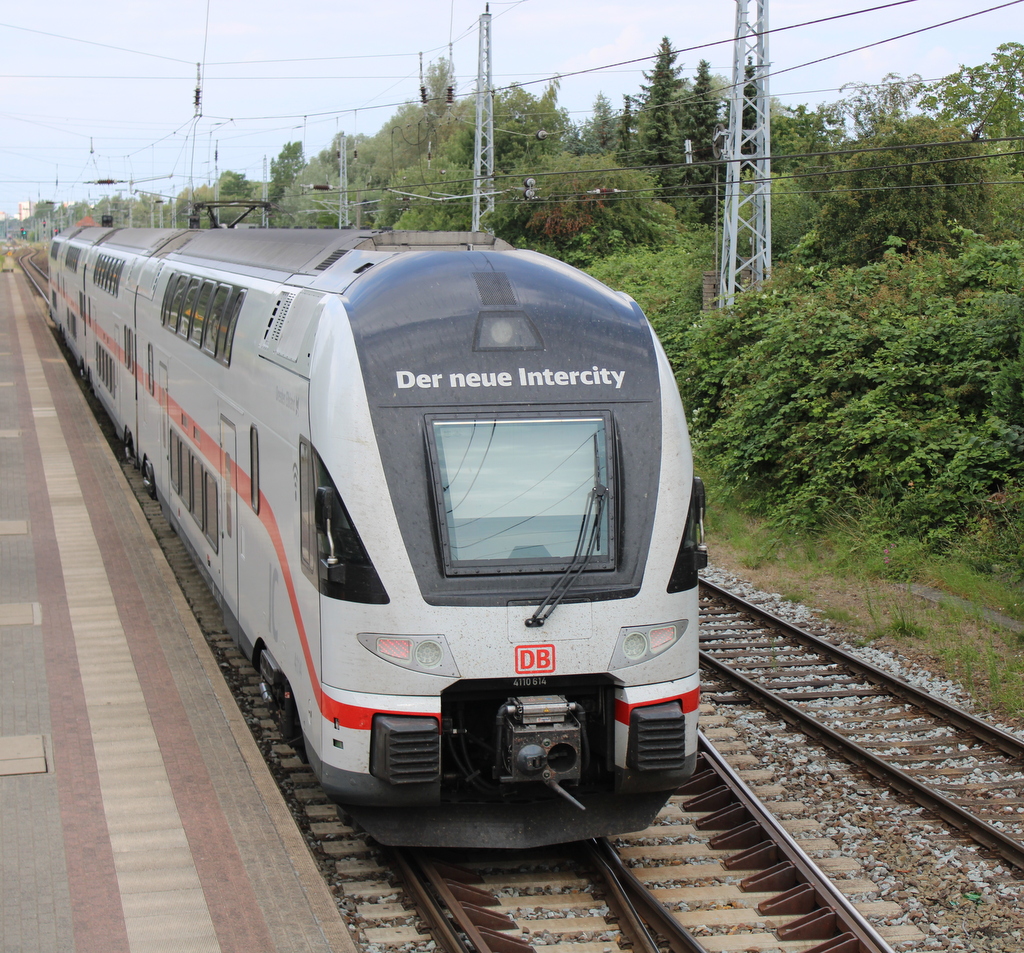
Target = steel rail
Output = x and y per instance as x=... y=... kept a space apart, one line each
x=431 y=911
x=28 y=256
x=984 y=833
x=850 y=921
x=632 y=901
x=452 y=889
x=1006 y=742
x=827 y=908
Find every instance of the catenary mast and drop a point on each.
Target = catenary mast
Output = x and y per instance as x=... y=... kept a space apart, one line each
x=747 y=232
x=483 y=141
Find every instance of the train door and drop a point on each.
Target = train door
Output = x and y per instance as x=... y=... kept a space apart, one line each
x=228 y=527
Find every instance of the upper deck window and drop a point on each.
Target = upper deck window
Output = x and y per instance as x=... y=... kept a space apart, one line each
x=522 y=494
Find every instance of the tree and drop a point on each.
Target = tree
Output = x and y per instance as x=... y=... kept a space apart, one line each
x=283 y=172
x=698 y=120
x=903 y=191
x=626 y=132
x=658 y=135
x=869 y=108
x=988 y=99
x=584 y=212
x=595 y=135
x=235 y=187
x=526 y=127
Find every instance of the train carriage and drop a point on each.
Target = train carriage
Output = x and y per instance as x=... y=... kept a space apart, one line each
x=443 y=492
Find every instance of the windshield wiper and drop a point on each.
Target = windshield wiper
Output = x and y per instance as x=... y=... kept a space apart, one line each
x=585 y=549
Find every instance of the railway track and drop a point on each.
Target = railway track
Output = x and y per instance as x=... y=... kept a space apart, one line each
x=716 y=861
x=963 y=769
x=717 y=858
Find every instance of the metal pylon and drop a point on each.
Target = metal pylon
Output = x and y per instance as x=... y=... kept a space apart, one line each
x=483 y=141
x=343 y=219
x=747 y=234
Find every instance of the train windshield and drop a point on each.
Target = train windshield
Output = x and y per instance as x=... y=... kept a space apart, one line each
x=523 y=494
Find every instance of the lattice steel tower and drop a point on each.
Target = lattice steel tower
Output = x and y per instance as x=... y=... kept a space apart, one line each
x=483 y=141
x=747 y=233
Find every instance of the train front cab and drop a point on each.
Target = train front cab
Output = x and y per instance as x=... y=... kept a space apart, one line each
x=502 y=761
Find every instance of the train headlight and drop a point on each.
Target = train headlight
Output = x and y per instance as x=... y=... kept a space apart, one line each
x=429 y=653
x=634 y=646
x=420 y=653
x=641 y=643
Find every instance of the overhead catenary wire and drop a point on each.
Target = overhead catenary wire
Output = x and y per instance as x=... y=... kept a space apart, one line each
x=329 y=115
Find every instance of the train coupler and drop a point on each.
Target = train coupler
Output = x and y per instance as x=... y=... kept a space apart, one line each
x=540 y=739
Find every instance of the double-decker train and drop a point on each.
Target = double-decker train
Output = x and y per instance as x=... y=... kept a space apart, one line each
x=443 y=492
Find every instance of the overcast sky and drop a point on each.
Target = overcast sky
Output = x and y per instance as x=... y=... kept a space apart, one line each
x=104 y=90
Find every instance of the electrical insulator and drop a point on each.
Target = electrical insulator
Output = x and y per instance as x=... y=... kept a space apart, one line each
x=423 y=95
x=355 y=154
x=529 y=190
x=450 y=94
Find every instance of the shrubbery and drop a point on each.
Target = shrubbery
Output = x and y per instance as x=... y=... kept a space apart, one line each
x=894 y=387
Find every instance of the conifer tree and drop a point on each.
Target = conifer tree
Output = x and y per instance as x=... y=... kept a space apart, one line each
x=659 y=142
x=698 y=120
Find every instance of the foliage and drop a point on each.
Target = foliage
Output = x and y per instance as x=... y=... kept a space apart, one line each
x=899 y=381
x=584 y=211
x=698 y=120
x=595 y=135
x=870 y=108
x=988 y=98
x=898 y=186
x=658 y=137
x=665 y=281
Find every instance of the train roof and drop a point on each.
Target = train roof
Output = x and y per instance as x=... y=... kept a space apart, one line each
x=278 y=251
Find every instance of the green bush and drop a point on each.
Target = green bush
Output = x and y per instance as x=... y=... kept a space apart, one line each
x=898 y=382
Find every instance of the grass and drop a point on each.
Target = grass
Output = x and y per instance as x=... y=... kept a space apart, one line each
x=858 y=578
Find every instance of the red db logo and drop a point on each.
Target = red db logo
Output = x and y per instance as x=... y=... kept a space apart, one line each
x=535 y=658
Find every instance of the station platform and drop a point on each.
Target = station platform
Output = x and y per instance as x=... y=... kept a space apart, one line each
x=136 y=812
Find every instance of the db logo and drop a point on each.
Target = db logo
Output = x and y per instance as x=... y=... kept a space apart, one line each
x=535 y=658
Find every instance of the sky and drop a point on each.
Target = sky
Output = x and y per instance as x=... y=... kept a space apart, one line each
x=106 y=90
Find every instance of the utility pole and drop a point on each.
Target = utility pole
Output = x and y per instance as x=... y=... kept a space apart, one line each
x=343 y=221
x=483 y=141
x=266 y=193
x=747 y=231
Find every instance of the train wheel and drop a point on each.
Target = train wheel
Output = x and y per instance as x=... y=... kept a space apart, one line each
x=149 y=477
x=129 y=448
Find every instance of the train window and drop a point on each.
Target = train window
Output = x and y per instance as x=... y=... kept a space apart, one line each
x=150 y=383
x=174 y=311
x=188 y=307
x=254 y=469
x=523 y=493
x=195 y=488
x=165 y=305
x=202 y=309
x=175 y=463
x=333 y=556
x=307 y=528
x=210 y=521
x=214 y=318
x=226 y=333
x=129 y=348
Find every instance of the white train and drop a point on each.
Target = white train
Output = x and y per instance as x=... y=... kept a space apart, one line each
x=444 y=494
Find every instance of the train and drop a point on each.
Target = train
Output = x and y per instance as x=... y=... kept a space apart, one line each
x=443 y=492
